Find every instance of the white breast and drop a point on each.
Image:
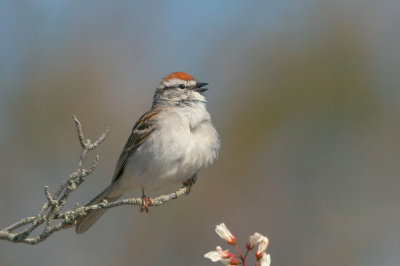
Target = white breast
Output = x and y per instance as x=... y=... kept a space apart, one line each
x=184 y=142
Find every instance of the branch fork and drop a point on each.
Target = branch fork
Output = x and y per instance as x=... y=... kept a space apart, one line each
x=51 y=215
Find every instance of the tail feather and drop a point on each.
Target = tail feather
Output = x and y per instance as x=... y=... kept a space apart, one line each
x=84 y=223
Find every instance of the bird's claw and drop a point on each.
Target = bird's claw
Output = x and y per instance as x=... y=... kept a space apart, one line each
x=146 y=202
x=189 y=183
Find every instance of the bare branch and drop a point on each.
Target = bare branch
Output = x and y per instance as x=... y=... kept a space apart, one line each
x=80 y=131
x=52 y=218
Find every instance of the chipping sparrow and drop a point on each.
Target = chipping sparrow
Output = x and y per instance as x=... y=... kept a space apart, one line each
x=169 y=144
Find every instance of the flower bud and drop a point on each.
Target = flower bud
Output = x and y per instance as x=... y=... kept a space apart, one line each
x=262 y=247
x=218 y=255
x=213 y=256
x=225 y=234
x=253 y=240
x=230 y=262
x=265 y=260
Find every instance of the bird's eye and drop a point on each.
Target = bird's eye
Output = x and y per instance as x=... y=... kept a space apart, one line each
x=182 y=86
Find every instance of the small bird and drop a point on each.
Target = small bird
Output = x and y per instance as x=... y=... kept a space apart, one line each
x=168 y=145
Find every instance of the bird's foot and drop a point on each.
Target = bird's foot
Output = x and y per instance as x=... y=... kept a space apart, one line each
x=189 y=183
x=146 y=202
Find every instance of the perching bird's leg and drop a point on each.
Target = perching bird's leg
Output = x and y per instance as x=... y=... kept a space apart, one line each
x=146 y=202
x=189 y=183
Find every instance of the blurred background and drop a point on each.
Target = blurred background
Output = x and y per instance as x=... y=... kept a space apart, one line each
x=304 y=93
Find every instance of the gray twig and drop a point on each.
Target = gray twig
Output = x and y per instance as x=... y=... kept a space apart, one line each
x=51 y=211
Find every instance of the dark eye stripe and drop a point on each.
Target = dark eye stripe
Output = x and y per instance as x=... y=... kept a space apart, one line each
x=182 y=86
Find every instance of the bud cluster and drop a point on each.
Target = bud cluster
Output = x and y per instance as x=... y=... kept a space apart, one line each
x=228 y=258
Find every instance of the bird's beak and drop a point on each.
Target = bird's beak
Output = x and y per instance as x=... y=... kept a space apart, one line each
x=199 y=87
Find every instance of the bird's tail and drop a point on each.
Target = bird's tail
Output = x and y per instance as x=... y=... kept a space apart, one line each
x=84 y=223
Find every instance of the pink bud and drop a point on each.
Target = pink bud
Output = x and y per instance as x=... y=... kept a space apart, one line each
x=233 y=261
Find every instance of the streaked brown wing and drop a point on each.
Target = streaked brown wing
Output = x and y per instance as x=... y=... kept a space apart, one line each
x=141 y=130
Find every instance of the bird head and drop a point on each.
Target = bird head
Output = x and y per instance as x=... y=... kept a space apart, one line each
x=180 y=88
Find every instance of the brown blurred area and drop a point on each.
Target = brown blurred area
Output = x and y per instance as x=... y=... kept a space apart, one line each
x=304 y=94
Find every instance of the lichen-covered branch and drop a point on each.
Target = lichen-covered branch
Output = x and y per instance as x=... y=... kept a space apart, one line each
x=52 y=218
